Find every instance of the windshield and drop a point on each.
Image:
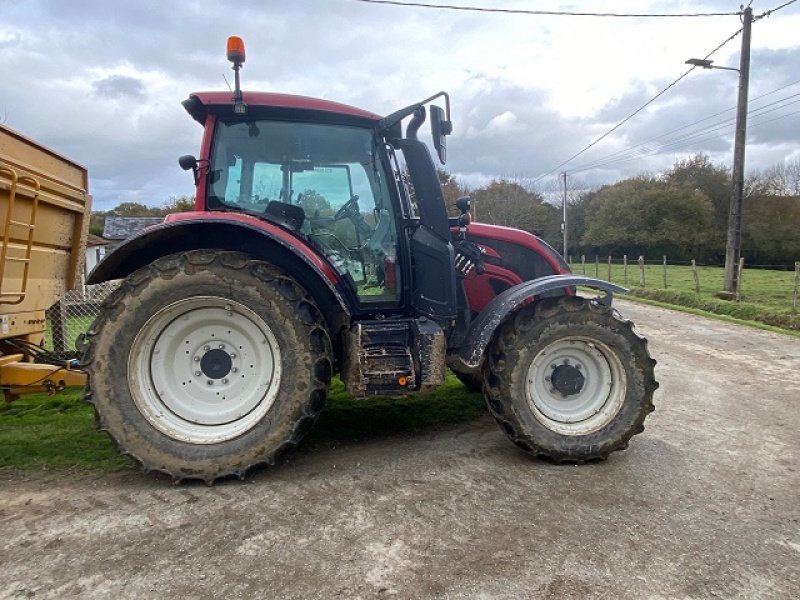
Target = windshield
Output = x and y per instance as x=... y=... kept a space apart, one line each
x=325 y=182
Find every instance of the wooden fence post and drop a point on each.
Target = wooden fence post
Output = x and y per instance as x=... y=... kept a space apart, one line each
x=641 y=271
x=609 y=268
x=696 y=277
x=665 y=272
x=583 y=263
x=796 y=285
x=625 y=269
x=596 y=266
x=739 y=279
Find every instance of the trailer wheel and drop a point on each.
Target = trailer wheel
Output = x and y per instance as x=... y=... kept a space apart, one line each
x=206 y=363
x=569 y=380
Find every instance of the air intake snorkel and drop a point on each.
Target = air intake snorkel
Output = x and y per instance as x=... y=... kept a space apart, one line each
x=441 y=125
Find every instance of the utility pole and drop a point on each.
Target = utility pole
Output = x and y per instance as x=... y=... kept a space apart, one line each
x=733 y=250
x=564 y=221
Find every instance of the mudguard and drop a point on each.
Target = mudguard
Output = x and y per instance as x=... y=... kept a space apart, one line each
x=482 y=329
x=262 y=240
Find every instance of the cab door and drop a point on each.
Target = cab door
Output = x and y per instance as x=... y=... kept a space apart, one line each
x=432 y=254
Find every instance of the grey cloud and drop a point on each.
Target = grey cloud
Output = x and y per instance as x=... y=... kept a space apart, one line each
x=119 y=86
x=14 y=39
x=536 y=139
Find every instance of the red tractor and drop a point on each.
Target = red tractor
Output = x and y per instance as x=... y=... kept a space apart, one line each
x=320 y=244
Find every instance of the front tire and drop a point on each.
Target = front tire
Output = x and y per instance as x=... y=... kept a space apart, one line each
x=569 y=380
x=206 y=363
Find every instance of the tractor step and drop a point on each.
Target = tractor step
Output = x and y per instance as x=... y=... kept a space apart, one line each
x=389 y=358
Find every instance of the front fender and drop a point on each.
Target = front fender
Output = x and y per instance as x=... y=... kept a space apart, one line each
x=264 y=241
x=482 y=329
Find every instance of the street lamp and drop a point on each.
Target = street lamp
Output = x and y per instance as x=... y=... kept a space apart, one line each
x=733 y=249
x=707 y=64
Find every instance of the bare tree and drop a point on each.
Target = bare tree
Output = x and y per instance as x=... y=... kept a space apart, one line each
x=782 y=179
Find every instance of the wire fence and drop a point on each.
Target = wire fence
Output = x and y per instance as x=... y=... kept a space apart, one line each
x=780 y=289
x=72 y=315
x=777 y=287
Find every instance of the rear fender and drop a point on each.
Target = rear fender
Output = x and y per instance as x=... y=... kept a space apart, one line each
x=482 y=329
x=263 y=241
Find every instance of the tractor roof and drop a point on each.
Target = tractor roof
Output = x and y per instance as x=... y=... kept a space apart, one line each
x=200 y=104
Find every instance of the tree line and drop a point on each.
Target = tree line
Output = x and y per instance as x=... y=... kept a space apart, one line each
x=681 y=212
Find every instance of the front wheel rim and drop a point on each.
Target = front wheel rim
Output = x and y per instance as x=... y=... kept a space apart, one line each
x=204 y=370
x=576 y=385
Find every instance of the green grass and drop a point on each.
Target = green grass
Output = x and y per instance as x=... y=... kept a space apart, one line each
x=345 y=420
x=766 y=294
x=41 y=432
x=54 y=432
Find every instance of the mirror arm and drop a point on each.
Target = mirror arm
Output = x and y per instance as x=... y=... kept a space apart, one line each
x=386 y=122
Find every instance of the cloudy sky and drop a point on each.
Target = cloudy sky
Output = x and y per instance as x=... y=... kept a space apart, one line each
x=101 y=81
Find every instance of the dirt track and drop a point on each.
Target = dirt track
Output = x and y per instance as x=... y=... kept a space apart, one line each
x=705 y=503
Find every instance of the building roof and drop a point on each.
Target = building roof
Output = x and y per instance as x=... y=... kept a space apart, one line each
x=122 y=228
x=96 y=240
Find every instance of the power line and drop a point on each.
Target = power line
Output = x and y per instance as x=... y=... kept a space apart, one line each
x=702 y=138
x=772 y=10
x=699 y=136
x=634 y=113
x=778 y=118
x=550 y=13
x=641 y=149
x=624 y=151
x=687 y=126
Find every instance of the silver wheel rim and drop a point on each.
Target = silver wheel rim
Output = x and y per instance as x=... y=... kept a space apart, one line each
x=576 y=386
x=204 y=370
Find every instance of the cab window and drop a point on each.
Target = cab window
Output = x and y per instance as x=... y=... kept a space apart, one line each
x=326 y=183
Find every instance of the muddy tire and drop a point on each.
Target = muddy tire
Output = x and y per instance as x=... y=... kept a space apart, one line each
x=472 y=381
x=569 y=380
x=206 y=363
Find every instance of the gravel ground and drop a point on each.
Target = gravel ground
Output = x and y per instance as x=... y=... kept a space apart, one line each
x=705 y=503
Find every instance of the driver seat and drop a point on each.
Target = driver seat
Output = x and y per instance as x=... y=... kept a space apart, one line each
x=290 y=216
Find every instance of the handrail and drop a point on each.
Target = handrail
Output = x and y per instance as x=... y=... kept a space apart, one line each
x=17 y=297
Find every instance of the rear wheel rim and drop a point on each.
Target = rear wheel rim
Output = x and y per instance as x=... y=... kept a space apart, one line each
x=575 y=385
x=204 y=370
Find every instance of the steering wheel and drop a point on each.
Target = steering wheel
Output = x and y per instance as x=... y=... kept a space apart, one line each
x=348 y=210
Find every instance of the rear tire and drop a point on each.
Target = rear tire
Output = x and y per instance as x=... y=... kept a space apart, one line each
x=569 y=380
x=206 y=363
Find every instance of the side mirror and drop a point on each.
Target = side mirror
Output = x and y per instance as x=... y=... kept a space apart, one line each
x=440 y=129
x=463 y=204
x=189 y=162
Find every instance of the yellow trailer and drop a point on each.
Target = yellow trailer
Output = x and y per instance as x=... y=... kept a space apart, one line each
x=44 y=219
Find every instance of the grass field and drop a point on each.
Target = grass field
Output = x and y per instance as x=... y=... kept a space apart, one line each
x=41 y=432
x=767 y=295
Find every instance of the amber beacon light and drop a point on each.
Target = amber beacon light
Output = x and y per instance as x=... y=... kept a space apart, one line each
x=236 y=50
x=236 y=56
